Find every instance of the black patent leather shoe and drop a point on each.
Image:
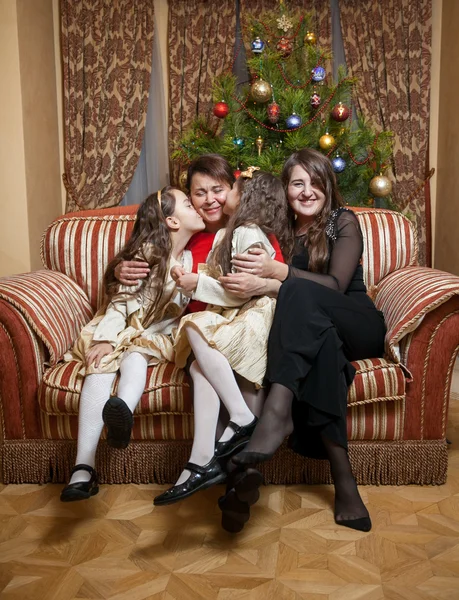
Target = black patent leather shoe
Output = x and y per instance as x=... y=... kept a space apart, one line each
x=237 y=441
x=83 y=489
x=201 y=478
x=118 y=418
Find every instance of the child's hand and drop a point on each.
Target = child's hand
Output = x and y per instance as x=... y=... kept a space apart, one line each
x=177 y=272
x=97 y=352
x=188 y=282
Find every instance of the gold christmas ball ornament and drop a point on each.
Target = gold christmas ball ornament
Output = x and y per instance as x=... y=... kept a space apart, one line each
x=310 y=38
x=261 y=91
x=327 y=141
x=380 y=186
x=369 y=201
x=182 y=179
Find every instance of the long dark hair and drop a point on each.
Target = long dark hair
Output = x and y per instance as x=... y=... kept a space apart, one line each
x=151 y=242
x=214 y=166
x=263 y=203
x=322 y=176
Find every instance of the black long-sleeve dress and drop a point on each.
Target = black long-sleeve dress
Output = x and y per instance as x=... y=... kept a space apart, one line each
x=321 y=323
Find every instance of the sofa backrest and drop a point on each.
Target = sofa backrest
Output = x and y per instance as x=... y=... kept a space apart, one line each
x=82 y=244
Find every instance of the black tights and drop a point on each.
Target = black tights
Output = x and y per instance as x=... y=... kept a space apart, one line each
x=275 y=424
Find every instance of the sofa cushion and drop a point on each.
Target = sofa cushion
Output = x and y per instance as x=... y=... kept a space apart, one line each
x=166 y=391
x=81 y=244
x=376 y=402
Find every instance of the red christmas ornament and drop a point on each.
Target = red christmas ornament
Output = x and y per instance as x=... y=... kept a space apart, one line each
x=340 y=112
x=221 y=109
x=315 y=100
x=237 y=173
x=284 y=46
x=273 y=111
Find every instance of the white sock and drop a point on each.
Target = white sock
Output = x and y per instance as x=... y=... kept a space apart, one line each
x=219 y=374
x=133 y=375
x=94 y=394
x=206 y=410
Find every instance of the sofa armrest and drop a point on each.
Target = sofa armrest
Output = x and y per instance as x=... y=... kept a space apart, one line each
x=405 y=296
x=429 y=352
x=53 y=306
x=22 y=360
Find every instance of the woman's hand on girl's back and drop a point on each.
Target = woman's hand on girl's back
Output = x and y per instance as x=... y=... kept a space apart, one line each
x=97 y=352
x=256 y=262
x=128 y=272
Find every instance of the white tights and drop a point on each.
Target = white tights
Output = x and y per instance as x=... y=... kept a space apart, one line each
x=213 y=380
x=95 y=392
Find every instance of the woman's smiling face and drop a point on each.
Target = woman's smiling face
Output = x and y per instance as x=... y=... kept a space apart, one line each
x=209 y=196
x=305 y=195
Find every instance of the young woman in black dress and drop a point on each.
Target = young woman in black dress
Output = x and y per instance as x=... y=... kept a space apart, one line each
x=324 y=319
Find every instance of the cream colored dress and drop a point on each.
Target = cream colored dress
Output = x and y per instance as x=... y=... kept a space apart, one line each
x=121 y=324
x=236 y=328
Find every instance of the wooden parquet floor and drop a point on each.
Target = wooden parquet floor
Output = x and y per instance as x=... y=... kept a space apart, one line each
x=118 y=546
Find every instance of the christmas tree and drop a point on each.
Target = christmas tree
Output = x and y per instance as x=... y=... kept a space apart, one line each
x=291 y=103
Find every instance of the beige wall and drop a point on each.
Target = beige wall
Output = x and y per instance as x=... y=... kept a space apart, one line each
x=14 y=223
x=29 y=144
x=447 y=205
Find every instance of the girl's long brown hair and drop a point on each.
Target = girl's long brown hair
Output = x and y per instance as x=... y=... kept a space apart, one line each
x=263 y=203
x=323 y=177
x=151 y=242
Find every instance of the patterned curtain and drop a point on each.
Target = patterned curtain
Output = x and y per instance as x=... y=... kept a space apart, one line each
x=388 y=48
x=202 y=35
x=106 y=53
x=318 y=9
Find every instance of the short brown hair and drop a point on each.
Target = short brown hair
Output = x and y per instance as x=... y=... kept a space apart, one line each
x=214 y=166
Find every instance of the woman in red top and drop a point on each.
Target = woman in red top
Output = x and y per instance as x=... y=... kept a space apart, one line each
x=209 y=179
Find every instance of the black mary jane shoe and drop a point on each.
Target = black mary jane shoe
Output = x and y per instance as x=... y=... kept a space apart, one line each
x=118 y=418
x=82 y=490
x=237 y=441
x=200 y=478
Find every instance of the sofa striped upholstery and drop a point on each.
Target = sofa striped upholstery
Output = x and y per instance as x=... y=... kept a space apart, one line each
x=397 y=405
x=80 y=245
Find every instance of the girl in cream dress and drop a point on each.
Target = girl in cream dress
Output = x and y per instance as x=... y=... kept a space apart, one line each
x=133 y=329
x=231 y=334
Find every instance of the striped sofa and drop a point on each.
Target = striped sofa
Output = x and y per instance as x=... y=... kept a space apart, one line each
x=397 y=405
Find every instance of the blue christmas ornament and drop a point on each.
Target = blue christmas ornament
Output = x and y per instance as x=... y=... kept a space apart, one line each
x=338 y=164
x=258 y=45
x=239 y=142
x=293 y=121
x=318 y=74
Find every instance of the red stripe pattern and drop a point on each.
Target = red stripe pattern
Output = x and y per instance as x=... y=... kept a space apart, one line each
x=389 y=243
x=82 y=246
x=52 y=304
x=406 y=296
x=167 y=395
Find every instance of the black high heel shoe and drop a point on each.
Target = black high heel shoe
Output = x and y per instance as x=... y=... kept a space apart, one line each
x=118 y=418
x=243 y=492
x=82 y=490
x=201 y=478
x=246 y=459
x=237 y=441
